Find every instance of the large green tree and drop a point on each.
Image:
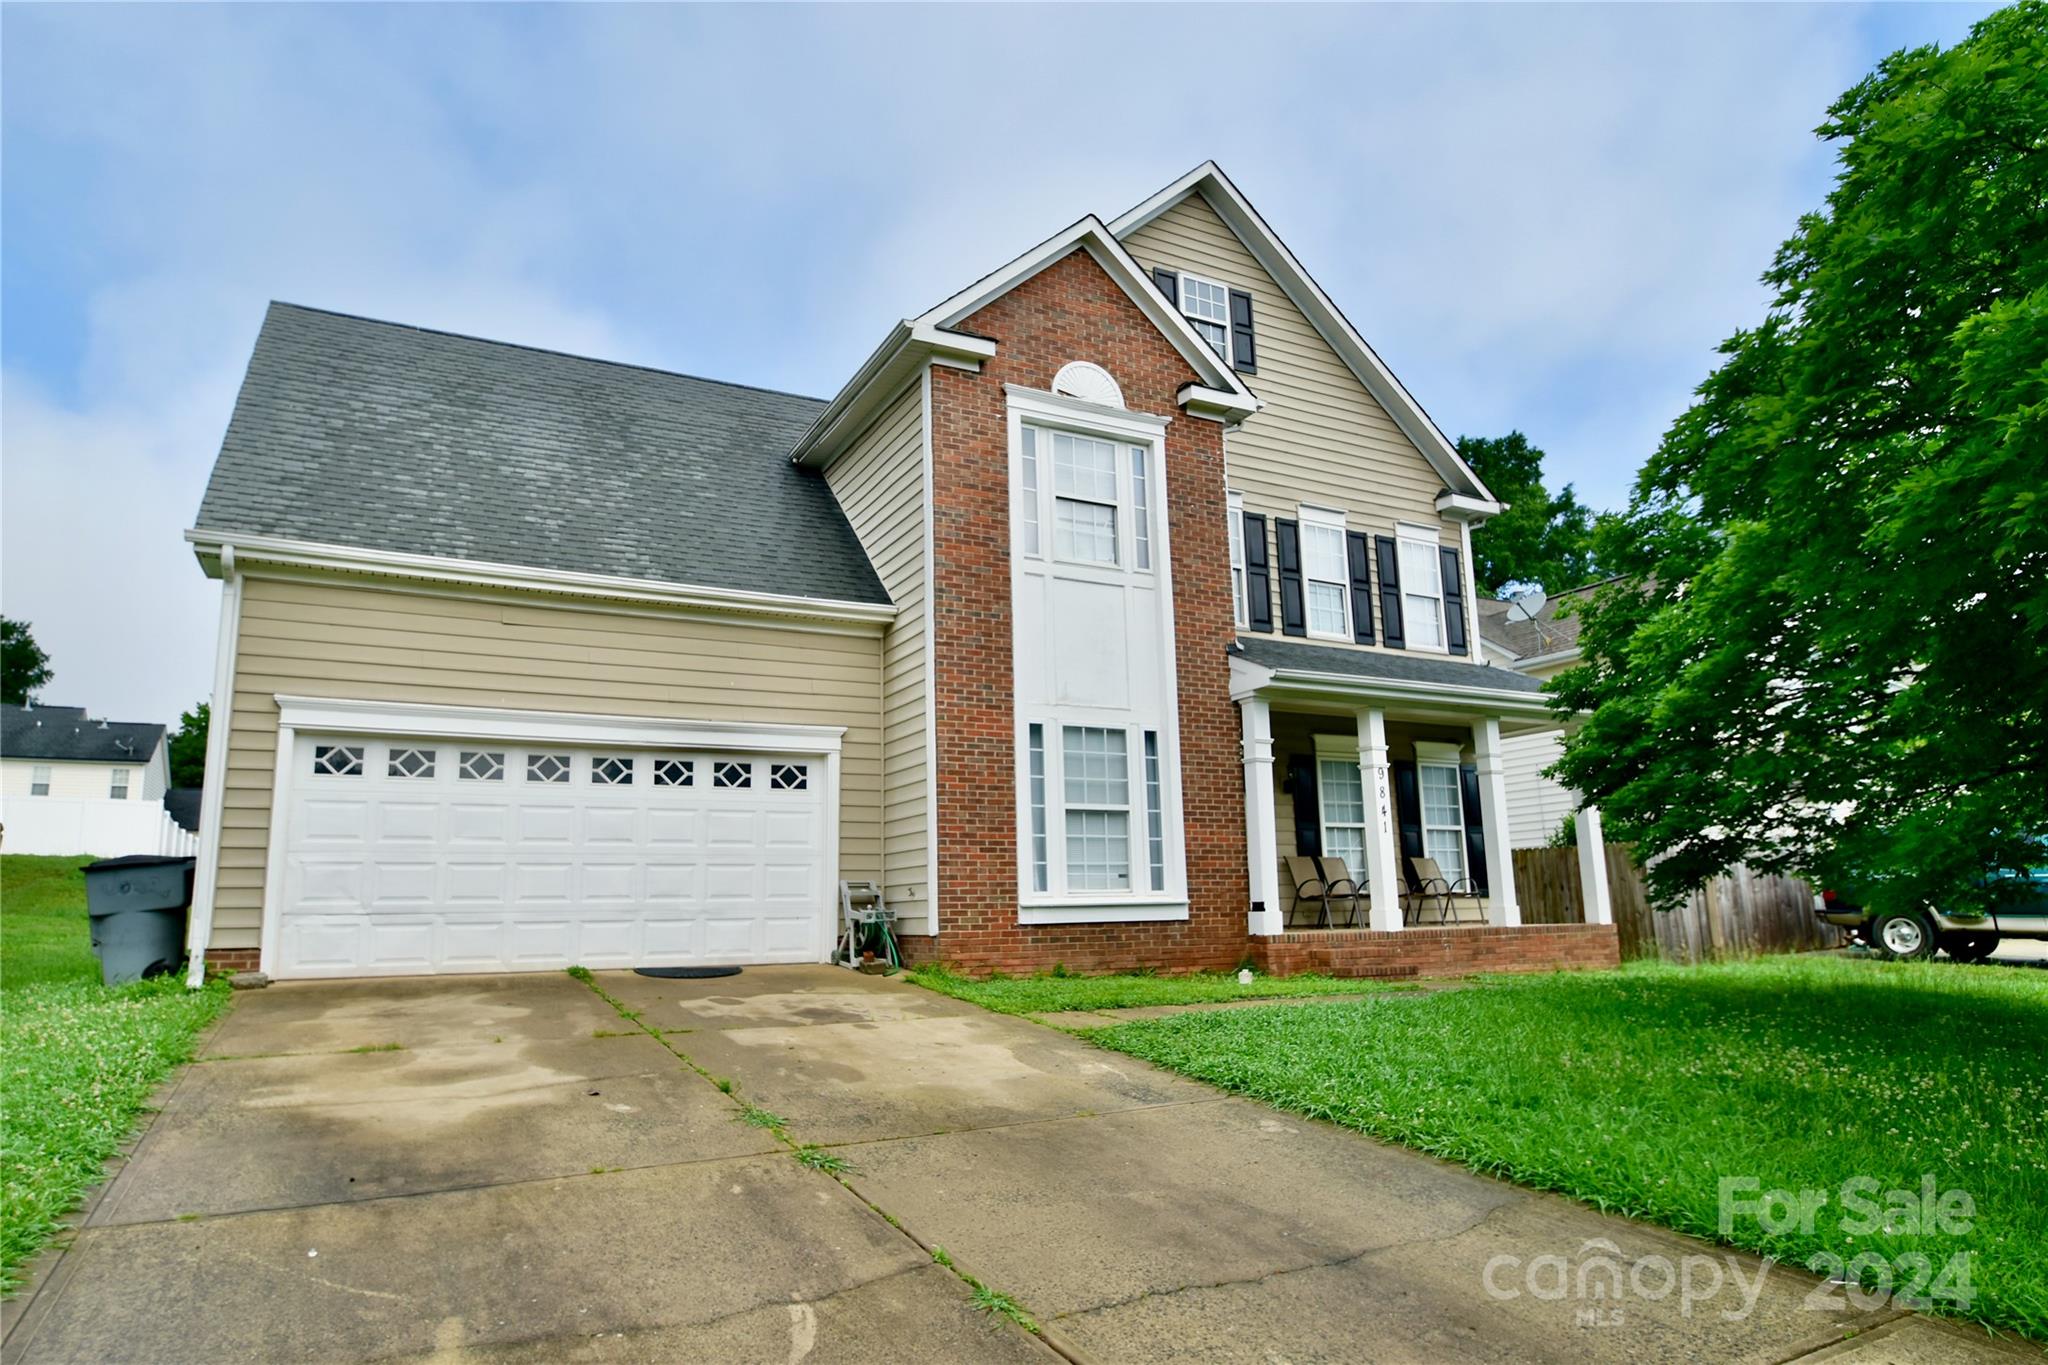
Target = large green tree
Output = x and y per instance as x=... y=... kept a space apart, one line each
x=24 y=668
x=1543 y=537
x=187 y=747
x=1829 y=653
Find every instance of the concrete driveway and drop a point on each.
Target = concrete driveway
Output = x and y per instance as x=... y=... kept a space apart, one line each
x=506 y=1169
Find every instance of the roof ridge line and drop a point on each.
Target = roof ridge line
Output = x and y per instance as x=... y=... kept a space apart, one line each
x=540 y=350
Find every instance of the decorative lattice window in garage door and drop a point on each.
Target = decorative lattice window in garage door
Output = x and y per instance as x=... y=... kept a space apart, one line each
x=338 y=760
x=674 y=772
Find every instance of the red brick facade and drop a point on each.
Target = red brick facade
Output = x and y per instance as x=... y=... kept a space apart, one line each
x=1439 y=952
x=232 y=959
x=1073 y=311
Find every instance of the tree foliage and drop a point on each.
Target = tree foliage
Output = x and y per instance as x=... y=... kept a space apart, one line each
x=188 y=747
x=1541 y=538
x=24 y=668
x=1829 y=649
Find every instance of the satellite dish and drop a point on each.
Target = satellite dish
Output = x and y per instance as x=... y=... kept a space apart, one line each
x=1527 y=603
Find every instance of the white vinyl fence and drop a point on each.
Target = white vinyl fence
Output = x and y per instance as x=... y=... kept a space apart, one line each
x=81 y=825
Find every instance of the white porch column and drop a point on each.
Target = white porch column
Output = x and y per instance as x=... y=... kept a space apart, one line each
x=1593 y=866
x=1261 y=839
x=1493 y=813
x=1382 y=876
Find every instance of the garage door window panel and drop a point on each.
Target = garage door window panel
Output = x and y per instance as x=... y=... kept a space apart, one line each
x=674 y=772
x=338 y=760
x=548 y=767
x=481 y=766
x=612 y=771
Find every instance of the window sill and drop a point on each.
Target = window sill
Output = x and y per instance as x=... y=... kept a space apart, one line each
x=1101 y=912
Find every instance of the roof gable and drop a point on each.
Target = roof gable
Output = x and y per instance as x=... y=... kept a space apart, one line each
x=1272 y=255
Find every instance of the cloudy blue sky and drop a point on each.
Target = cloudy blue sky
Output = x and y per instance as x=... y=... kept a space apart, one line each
x=1542 y=217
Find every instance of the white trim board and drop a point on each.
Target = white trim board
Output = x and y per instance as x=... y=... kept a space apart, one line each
x=213 y=796
x=1272 y=254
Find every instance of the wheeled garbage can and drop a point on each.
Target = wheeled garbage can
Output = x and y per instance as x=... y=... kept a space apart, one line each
x=138 y=905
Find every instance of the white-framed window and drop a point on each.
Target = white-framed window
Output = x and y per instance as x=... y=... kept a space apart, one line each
x=481 y=765
x=39 y=780
x=1422 y=587
x=1040 y=872
x=1341 y=796
x=117 y=785
x=1443 y=815
x=675 y=772
x=338 y=760
x=1207 y=306
x=1240 y=593
x=1095 y=764
x=1141 y=507
x=409 y=763
x=611 y=771
x=1155 y=816
x=547 y=767
x=1325 y=574
x=1085 y=498
x=1027 y=519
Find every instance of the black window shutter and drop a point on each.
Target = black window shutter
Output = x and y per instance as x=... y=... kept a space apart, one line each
x=1308 y=814
x=1360 y=553
x=1244 y=354
x=1293 y=619
x=1475 y=831
x=1168 y=282
x=1408 y=815
x=1258 y=580
x=1391 y=633
x=1454 y=600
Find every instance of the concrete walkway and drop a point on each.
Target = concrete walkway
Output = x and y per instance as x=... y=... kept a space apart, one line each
x=299 y=1200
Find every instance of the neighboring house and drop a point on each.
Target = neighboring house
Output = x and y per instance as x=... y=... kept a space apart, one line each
x=1098 y=589
x=1541 y=646
x=72 y=784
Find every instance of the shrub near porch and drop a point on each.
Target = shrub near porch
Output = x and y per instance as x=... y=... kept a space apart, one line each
x=1639 y=1090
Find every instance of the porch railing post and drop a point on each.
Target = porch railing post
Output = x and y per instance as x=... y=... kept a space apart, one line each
x=1382 y=871
x=1261 y=829
x=1493 y=813
x=1599 y=905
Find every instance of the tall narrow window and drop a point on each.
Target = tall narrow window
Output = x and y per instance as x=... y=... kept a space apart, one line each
x=1422 y=591
x=1443 y=817
x=1038 y=860
x=1141 y=509
x=1096 y=771
x=1326 y=574
x=1207 y=305
x=1155 y=815
x=1240 y=594
x=1084 y=499
x=1342 y=797
x=117 y=789
x=1030 y=508
x=39 y=780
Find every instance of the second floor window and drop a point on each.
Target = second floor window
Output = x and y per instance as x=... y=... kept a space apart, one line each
x=39 y=780
x=1422 y=590
x=1084 y=487
x=1325 y=575
x=117 y=788
x=1207 y=305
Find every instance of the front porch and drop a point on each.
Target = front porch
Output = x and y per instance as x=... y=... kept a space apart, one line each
x=1378 y=823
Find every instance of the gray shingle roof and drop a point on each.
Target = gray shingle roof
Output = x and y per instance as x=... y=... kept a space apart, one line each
x=387 y=437
x=65 y=734
x=1361 y=663
x=1549 y=633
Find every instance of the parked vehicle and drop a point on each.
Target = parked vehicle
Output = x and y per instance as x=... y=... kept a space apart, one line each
x=2019 y=909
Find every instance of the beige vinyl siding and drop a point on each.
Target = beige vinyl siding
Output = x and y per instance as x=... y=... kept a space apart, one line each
x=1321 y=437
x=331 y=639
x=879 y=482
x=1537 y=806
x=72 y=778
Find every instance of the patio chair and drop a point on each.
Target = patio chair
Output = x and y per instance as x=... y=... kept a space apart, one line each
x=1429 y=889
x=1317 y=883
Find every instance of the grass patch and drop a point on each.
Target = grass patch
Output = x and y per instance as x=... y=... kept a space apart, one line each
x=818 y=1159
x=995 y=1301
x=1051 y=993
x=754 y=1116
x=78 y=1061
x=1638 y=1091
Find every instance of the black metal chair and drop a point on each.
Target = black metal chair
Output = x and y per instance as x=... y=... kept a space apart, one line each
x=1318 y=882
x=1429 y=888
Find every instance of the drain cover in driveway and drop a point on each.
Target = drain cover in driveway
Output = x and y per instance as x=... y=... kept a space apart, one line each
x=687 y=973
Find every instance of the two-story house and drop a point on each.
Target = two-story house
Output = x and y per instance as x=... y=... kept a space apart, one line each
x=1100 y=590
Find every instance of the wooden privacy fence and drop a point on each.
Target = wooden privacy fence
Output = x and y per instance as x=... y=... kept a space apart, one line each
x=1742 y=914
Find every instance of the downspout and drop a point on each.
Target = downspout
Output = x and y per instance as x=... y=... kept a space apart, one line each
x=213 y=798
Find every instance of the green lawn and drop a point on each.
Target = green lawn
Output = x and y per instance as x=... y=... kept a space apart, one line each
x=1047 y=994
x=77 y=1061
x=1640 y=1090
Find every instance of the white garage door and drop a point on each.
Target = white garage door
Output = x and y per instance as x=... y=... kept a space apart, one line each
x=414 y=855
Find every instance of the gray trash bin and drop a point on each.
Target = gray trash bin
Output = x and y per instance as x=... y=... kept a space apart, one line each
x=138 y=908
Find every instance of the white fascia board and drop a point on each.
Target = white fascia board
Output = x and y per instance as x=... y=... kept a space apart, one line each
x=1323 y=314
x=1093 y=236
x=1466 y=508
x=348 y=716
x=900 y=358
x=248 y=551
x=1246 y=677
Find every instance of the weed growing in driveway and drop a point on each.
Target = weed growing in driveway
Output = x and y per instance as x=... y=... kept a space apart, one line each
x=939 y=1255
x=375 y=1047
x=818 y=1159
x=724 y=1084
x=994 y=1301
x=754 y=1116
